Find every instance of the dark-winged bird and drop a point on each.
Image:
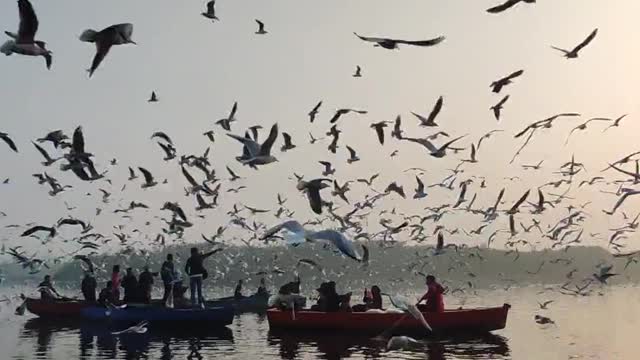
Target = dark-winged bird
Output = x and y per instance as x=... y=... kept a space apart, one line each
x=393 y=43
x=118 y=34
x=430 y=121
x=24 y=41
x=497 y=85
x=574 y=53
x=5 y=137
x=507 y=5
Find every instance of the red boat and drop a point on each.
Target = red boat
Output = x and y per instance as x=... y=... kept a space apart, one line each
x=55 y=309
x=450 y=321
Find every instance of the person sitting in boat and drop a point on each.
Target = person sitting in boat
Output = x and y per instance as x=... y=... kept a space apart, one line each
x=47 y=292
x=329 y=300
x=345 y=302
x=145 y=285
x=130 y=286
x=372 y=299
x=106 y=295
x=237 y=294
x=115 y=283
x=289 y=296
x=88 y=287
x=434 y=296
x=166 y=274
x=262 y=289
x=197 y=272
x=290 y=287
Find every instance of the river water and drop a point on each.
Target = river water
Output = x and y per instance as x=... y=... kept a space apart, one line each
x=600 y=326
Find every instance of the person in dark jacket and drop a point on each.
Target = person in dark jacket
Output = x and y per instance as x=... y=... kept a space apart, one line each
x=106 y=295
x=130 y=286
x=145 y=284
x=47 y=292
x=237 y=294
x=196 y=271
x=166 y=274
x=329 y=300
x=88 y=287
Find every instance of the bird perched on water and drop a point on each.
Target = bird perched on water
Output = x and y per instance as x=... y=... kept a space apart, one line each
x=507 y=5
x=24 y=42
x=572 y=54
x=211 y=11
x=298 y=234
x=119 y=34
x=391 y=44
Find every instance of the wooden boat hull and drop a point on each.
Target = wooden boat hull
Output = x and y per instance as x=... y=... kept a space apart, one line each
x=451 y=321
x=56 y=309
x=210 y=317
x=253 y=303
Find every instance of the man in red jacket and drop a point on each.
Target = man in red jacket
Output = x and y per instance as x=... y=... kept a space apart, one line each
x=434 y=296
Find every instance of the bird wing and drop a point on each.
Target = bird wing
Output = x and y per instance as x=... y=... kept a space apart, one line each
x=514 y=75
x=9 y=142
x=424 y=142
x=586 y=41
x=290 y=225
x=420 y=184
x=352 y=153
x=287 y=139
x=85 y=260
x=265 y=148
x=502 y=7
x=187 y=176
x=163 y=136
x=380 y=132
x=211 y=6
x=147 y=175
x=338 y=240
x=443 y=147
x=519 y=202
x=28 y=22
x=102 y=49
x=371 y=39
x=315 y=201
x=435 y=111
x=78 y=141
x=251 y=146
x=430 y=42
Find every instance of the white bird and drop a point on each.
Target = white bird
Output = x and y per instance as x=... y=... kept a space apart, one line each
x=404 y=304
x=298 y=234
x=400 y=343
x=141 y=328
x=24 y=42
x=118 y=34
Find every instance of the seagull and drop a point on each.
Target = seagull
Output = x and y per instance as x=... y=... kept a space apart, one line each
x=533 y=167
x=132 y=174
x=341 y=191
x=419 y=192
x=397 y=131
x=148 y=178
x=261 y=30
x=463 y=192
x=507 y=5
x=298 y=234
x=226 y=122
x=616 y=122
x=288 y=145
x=498 y=107
x=57 y=137
x=621 y=200
x=543 y=306
x=24 y=42
x=353 y=157
x=113 y=35
x=430 y=121
x=391 y=44
x=341 y=112
x=514 y=208
x=5 y=137
x=604 y=274
x=153 y=98
x=583 y=126
x=486 y=136
x=314 y=111
x=379 y=128
x=499 y=84
x=312 y=139
x=358 y=72
x=542 y=320
x=400 y=343
x=403 y=304
x=574 y=53
x=395 y=188
x=472 y=159
x=328 y=170
x=258 y=154
x=234 y=176
x=162 y=135
x=140 y=328
x=434 y=151
x=37 y=228
x=211 y=11
x=312 y=188
x=369 y=181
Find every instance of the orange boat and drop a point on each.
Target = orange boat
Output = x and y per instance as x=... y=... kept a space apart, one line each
x=480 y=320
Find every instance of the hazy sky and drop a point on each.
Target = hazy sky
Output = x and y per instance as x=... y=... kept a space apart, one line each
x=199 y=68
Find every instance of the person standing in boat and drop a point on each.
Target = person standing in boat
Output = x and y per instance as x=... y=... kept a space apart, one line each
x=196 y=271
x=434 y=296
x=88 y=287
x=130 y=286
x=237 y=294
x=145 y=283
x=115 y=283
x=167 y=275
x=262 y=289
x=47 y=292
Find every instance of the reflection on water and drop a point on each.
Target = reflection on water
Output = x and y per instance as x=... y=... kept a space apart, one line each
x=338 y=346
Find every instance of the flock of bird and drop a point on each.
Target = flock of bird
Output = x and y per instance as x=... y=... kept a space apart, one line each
x=328 y=197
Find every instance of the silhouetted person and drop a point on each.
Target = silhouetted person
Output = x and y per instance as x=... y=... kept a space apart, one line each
x=434 y=296
x=262 y=289
x=197 y=272
x=167 y=275
x=145 y=284
x=238 y=292
x=47 y=292
x=89 y=286
x=106 y=295
x=130 y=286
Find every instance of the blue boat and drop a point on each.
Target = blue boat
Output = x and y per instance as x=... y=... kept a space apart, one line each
x=209 y=317
x=253 y=303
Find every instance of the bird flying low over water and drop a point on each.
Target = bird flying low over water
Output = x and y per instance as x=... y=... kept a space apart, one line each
x=24 y=42
x=572 y=54
x=298 y=234
x=113 y=35
x=393 y=43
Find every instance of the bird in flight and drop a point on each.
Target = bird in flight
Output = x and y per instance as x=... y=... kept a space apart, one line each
x=498 y=107
x=261 y=30
x=499 y=84
x=211 y=11
x=574 y=53
x=113 y=35
x=430 y=121
x=24 y=42
x=358 y=72
x=393 y=43
x=507 y=5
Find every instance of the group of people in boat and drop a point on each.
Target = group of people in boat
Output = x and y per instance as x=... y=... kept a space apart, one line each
x=138 y=289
